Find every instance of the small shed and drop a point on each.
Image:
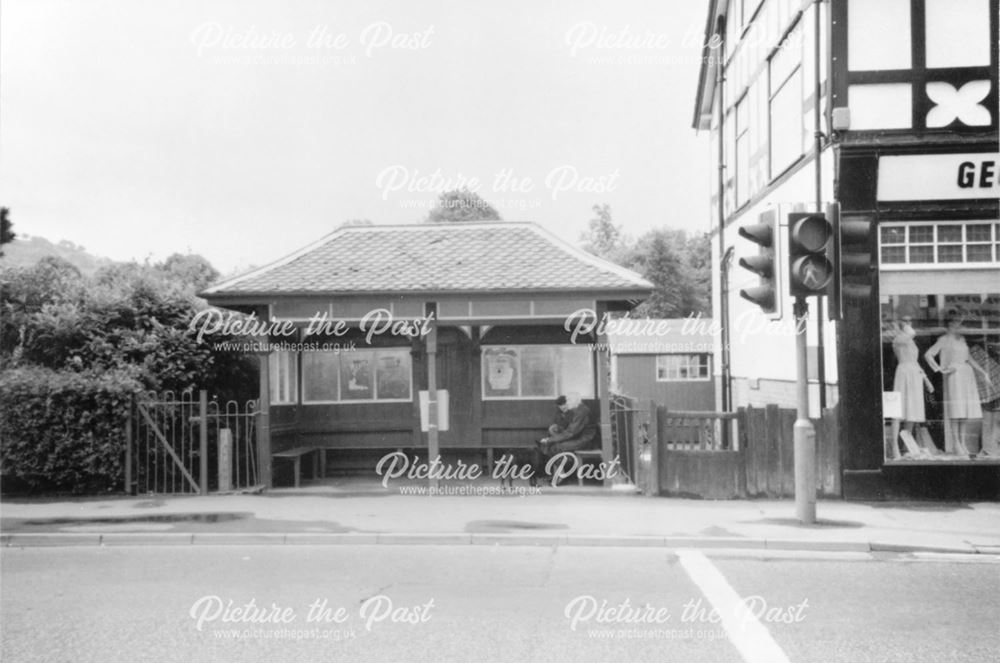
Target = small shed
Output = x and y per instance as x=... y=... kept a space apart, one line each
x=666 y=360
x=480 y=325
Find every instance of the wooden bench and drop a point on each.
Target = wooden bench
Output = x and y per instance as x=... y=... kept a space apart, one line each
x=583 y=456
x=319 y=464
x=296 y=454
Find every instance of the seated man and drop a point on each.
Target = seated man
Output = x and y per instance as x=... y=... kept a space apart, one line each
x=574 y=429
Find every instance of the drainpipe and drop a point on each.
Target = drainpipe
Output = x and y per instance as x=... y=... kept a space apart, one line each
x=727 y=263
x=720 y=79
x=818 y=137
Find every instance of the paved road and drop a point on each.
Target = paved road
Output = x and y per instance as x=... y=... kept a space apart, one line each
x=462 y=603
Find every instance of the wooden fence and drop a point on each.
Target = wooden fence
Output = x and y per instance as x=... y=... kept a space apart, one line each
x=769 y=446
x=749 y=453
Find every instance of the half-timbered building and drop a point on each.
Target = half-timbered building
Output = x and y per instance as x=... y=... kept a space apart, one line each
x=888 y=109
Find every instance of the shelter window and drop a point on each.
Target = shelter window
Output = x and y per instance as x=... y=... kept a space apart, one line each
x=536 y=371
x=384 y=375
x=283 y=378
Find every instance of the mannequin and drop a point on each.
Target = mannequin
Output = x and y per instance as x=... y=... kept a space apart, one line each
x=910 y=381
x=986 y=353
x=961 y=395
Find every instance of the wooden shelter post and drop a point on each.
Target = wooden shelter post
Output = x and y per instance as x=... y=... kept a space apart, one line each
x=433 y=446
x=264 y=423
x=604 y=392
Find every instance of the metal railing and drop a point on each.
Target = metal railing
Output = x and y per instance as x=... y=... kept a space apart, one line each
x=183 y=443
x=627 y=423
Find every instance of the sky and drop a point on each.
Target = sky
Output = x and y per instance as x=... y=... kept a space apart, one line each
x=243 y=131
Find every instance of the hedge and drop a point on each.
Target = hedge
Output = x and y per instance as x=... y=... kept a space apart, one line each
x=64 y=430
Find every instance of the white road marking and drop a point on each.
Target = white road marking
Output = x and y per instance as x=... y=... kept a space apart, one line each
x=751 y=638
x=953 y=558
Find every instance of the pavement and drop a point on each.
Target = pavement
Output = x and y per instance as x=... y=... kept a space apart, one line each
x=360 y=510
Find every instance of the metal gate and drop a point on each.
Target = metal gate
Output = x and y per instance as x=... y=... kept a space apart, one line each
x=629 y=439
x=188 y=444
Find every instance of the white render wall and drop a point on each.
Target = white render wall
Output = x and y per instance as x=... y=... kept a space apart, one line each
x=762 y=351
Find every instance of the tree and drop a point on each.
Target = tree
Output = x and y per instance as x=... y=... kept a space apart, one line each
x=191 y=270
x=656 y=259
x=603 y=238
x=6 y=234
x=678 y=265
x=698 y=259
x=462 y=205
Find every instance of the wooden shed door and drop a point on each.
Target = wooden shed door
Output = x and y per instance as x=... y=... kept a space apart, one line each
x=454 y=365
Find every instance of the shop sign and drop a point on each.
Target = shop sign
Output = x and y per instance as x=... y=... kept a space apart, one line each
x=939 y=177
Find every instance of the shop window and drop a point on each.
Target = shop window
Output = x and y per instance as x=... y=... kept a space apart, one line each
x=683 y=368
x=940 y=309
x=362 y=375
x=283 y=378
x=939 y=243
x=937 y=351
x=536 y=371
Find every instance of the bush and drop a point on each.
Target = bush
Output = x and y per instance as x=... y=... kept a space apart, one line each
x=64 y=430
x=127 y=316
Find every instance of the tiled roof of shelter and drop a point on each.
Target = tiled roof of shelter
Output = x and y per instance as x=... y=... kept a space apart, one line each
x=439 y=257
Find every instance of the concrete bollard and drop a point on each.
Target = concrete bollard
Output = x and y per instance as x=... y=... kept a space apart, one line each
x=225 y=460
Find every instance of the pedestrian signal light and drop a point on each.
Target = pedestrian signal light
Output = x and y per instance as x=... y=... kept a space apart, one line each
x=810 y=270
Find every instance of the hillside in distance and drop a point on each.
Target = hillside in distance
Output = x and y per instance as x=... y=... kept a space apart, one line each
x=27 y=250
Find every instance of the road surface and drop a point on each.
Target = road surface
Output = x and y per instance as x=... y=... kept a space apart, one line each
x=493 y=603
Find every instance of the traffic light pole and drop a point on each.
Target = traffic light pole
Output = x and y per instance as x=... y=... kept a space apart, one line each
x=804 y=432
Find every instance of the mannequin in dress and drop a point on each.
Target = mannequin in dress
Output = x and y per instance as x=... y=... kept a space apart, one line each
x=986 y=353
x=910 y=381
x=961 y=395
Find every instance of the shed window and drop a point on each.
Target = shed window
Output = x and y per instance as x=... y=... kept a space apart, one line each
x=536 y=371
x=682 y=368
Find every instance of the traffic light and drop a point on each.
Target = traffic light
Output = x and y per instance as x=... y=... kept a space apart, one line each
x=852 y=259
x=810 y=238
x=765 y=264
